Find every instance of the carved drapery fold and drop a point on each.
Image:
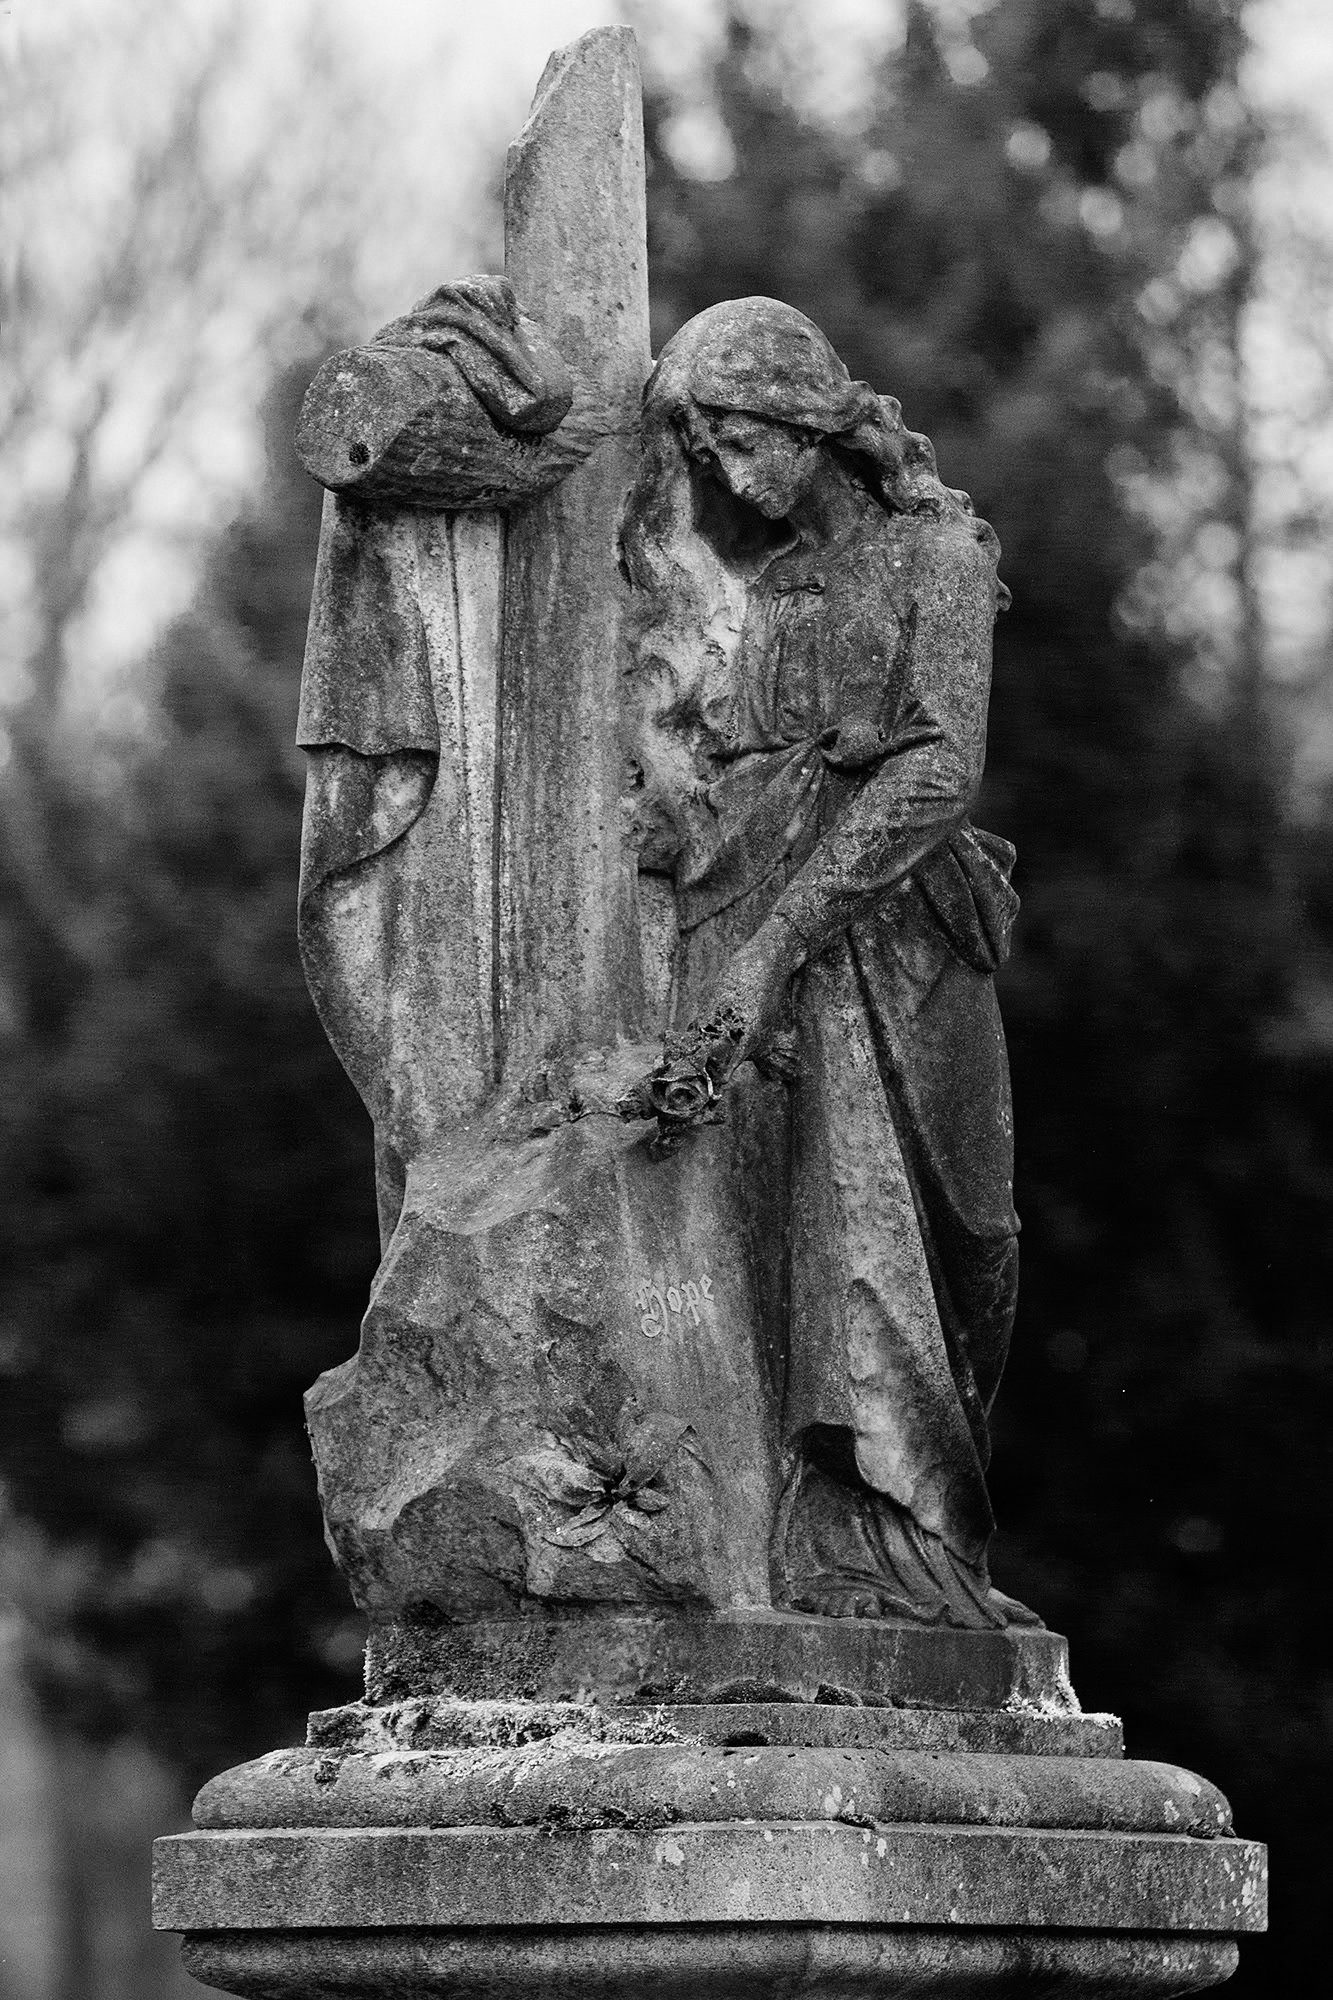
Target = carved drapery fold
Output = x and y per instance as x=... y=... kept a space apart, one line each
x=449 y=414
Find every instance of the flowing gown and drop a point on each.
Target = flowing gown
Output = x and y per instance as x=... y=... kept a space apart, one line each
x=883 y=1206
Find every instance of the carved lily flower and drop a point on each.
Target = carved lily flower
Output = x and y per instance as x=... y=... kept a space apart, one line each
x=610 y=1483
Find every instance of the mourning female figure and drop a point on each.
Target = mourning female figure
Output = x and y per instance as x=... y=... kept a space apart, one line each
x=813 y=672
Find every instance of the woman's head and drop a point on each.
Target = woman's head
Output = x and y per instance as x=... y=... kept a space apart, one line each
x=763 y=358
x=753 y=389
x=762 y=361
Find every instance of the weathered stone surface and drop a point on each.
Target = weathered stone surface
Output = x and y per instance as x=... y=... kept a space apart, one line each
x=348 y=1878
x=812 y=671
x=760 y=1656
x=397 y=422
x=808 y=725
x=466 y=898
x=683 y=1855
x=721 y=1962
x=576 y=246
x=398 y=862
x=428 y=1722
x=469 y=917
x=438 y=1723
x=565 y=1784
x=530 y=1417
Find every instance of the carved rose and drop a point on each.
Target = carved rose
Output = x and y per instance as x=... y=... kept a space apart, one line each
x=683 y=1088
x=680 y=1091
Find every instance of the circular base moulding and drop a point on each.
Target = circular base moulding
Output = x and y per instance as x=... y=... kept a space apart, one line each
x=744 y=1871
x=705 y=1962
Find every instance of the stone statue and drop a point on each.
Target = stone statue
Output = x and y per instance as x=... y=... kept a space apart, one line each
x=810 y=614
x=645 y=711
x=805 y=775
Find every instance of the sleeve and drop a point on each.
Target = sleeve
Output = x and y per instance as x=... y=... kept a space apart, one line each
x=921 y=791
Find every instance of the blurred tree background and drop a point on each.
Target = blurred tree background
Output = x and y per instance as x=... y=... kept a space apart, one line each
x=1049 y=229
x=1040 y=240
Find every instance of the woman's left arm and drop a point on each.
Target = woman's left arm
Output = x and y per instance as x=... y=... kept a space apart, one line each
x=920 y=792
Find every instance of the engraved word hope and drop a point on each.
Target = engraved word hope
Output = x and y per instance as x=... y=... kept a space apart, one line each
x=657 y=1306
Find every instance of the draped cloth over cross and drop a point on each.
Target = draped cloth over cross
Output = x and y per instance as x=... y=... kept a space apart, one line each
x=401 y=683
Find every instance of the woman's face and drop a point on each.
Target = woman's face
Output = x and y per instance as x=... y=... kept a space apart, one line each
x=767 y=464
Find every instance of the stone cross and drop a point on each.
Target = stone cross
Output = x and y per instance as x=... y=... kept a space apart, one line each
x=502 y=931
x=575 y=239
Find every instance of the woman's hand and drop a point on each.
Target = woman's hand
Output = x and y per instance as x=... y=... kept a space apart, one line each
x=854 y=746
x=749 y=1000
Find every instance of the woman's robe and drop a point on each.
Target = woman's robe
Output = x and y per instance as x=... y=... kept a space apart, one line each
x=902 y=1248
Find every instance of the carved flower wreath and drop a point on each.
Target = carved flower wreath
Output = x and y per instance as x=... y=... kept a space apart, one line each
x=683 y=1089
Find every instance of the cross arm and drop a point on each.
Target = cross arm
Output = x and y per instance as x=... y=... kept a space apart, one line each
x=463 y=403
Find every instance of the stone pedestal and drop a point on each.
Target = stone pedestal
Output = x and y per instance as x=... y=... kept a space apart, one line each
x=756 y=1805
